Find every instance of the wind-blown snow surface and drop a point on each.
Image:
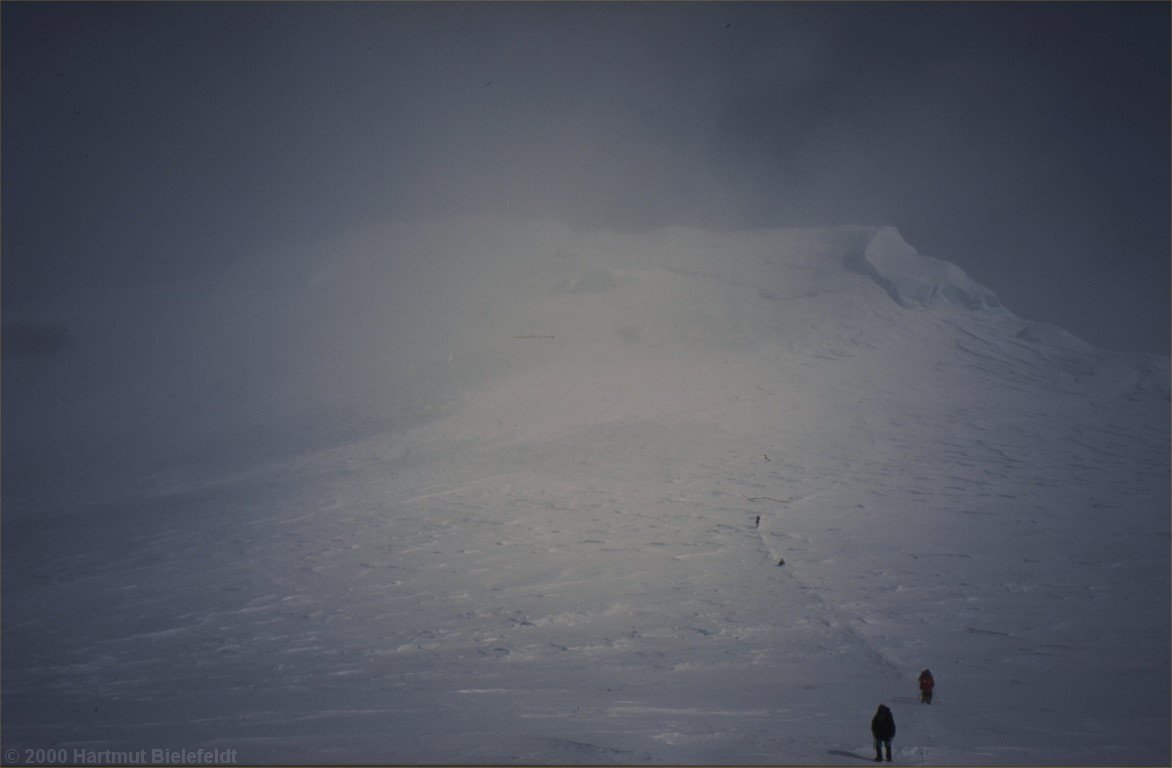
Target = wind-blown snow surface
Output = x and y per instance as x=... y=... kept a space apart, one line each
x=535 y=539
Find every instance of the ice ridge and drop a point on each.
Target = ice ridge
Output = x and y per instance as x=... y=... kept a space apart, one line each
x=915 y=280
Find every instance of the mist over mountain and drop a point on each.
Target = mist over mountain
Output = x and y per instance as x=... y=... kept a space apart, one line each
x=390 y=323
x=1027 y=143
x=477 y=490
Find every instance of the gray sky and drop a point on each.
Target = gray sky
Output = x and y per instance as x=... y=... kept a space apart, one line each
x=1028 y=143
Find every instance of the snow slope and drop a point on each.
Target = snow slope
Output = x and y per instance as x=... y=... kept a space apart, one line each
x=496 y=503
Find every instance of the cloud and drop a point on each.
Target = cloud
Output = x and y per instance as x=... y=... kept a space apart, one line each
x=34 y=339
x=153 y=144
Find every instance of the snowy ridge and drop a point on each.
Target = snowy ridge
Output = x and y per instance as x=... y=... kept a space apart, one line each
x=554 y=556
x=916 y=280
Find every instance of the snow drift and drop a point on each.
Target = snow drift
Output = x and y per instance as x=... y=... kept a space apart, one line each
x=916 y=280
x=484 y=492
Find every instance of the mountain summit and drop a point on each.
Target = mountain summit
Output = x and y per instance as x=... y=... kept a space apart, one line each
x=916 y=280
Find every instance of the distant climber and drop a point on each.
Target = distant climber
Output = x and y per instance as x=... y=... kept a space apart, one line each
x=883 y=729
x=781 y=561
x=758 y=524
x=926 y=686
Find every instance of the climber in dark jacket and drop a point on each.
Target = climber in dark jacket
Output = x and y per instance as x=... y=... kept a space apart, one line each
x=883 y=729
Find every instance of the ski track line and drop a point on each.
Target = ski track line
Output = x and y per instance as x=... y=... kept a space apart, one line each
x=843 y=618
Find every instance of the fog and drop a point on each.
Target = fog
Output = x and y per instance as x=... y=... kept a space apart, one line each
x=178 y=178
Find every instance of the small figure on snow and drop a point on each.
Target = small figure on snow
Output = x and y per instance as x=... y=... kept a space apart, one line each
x=883 y=729
x=781 y=561
x=758 y=524
x=926 y=686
